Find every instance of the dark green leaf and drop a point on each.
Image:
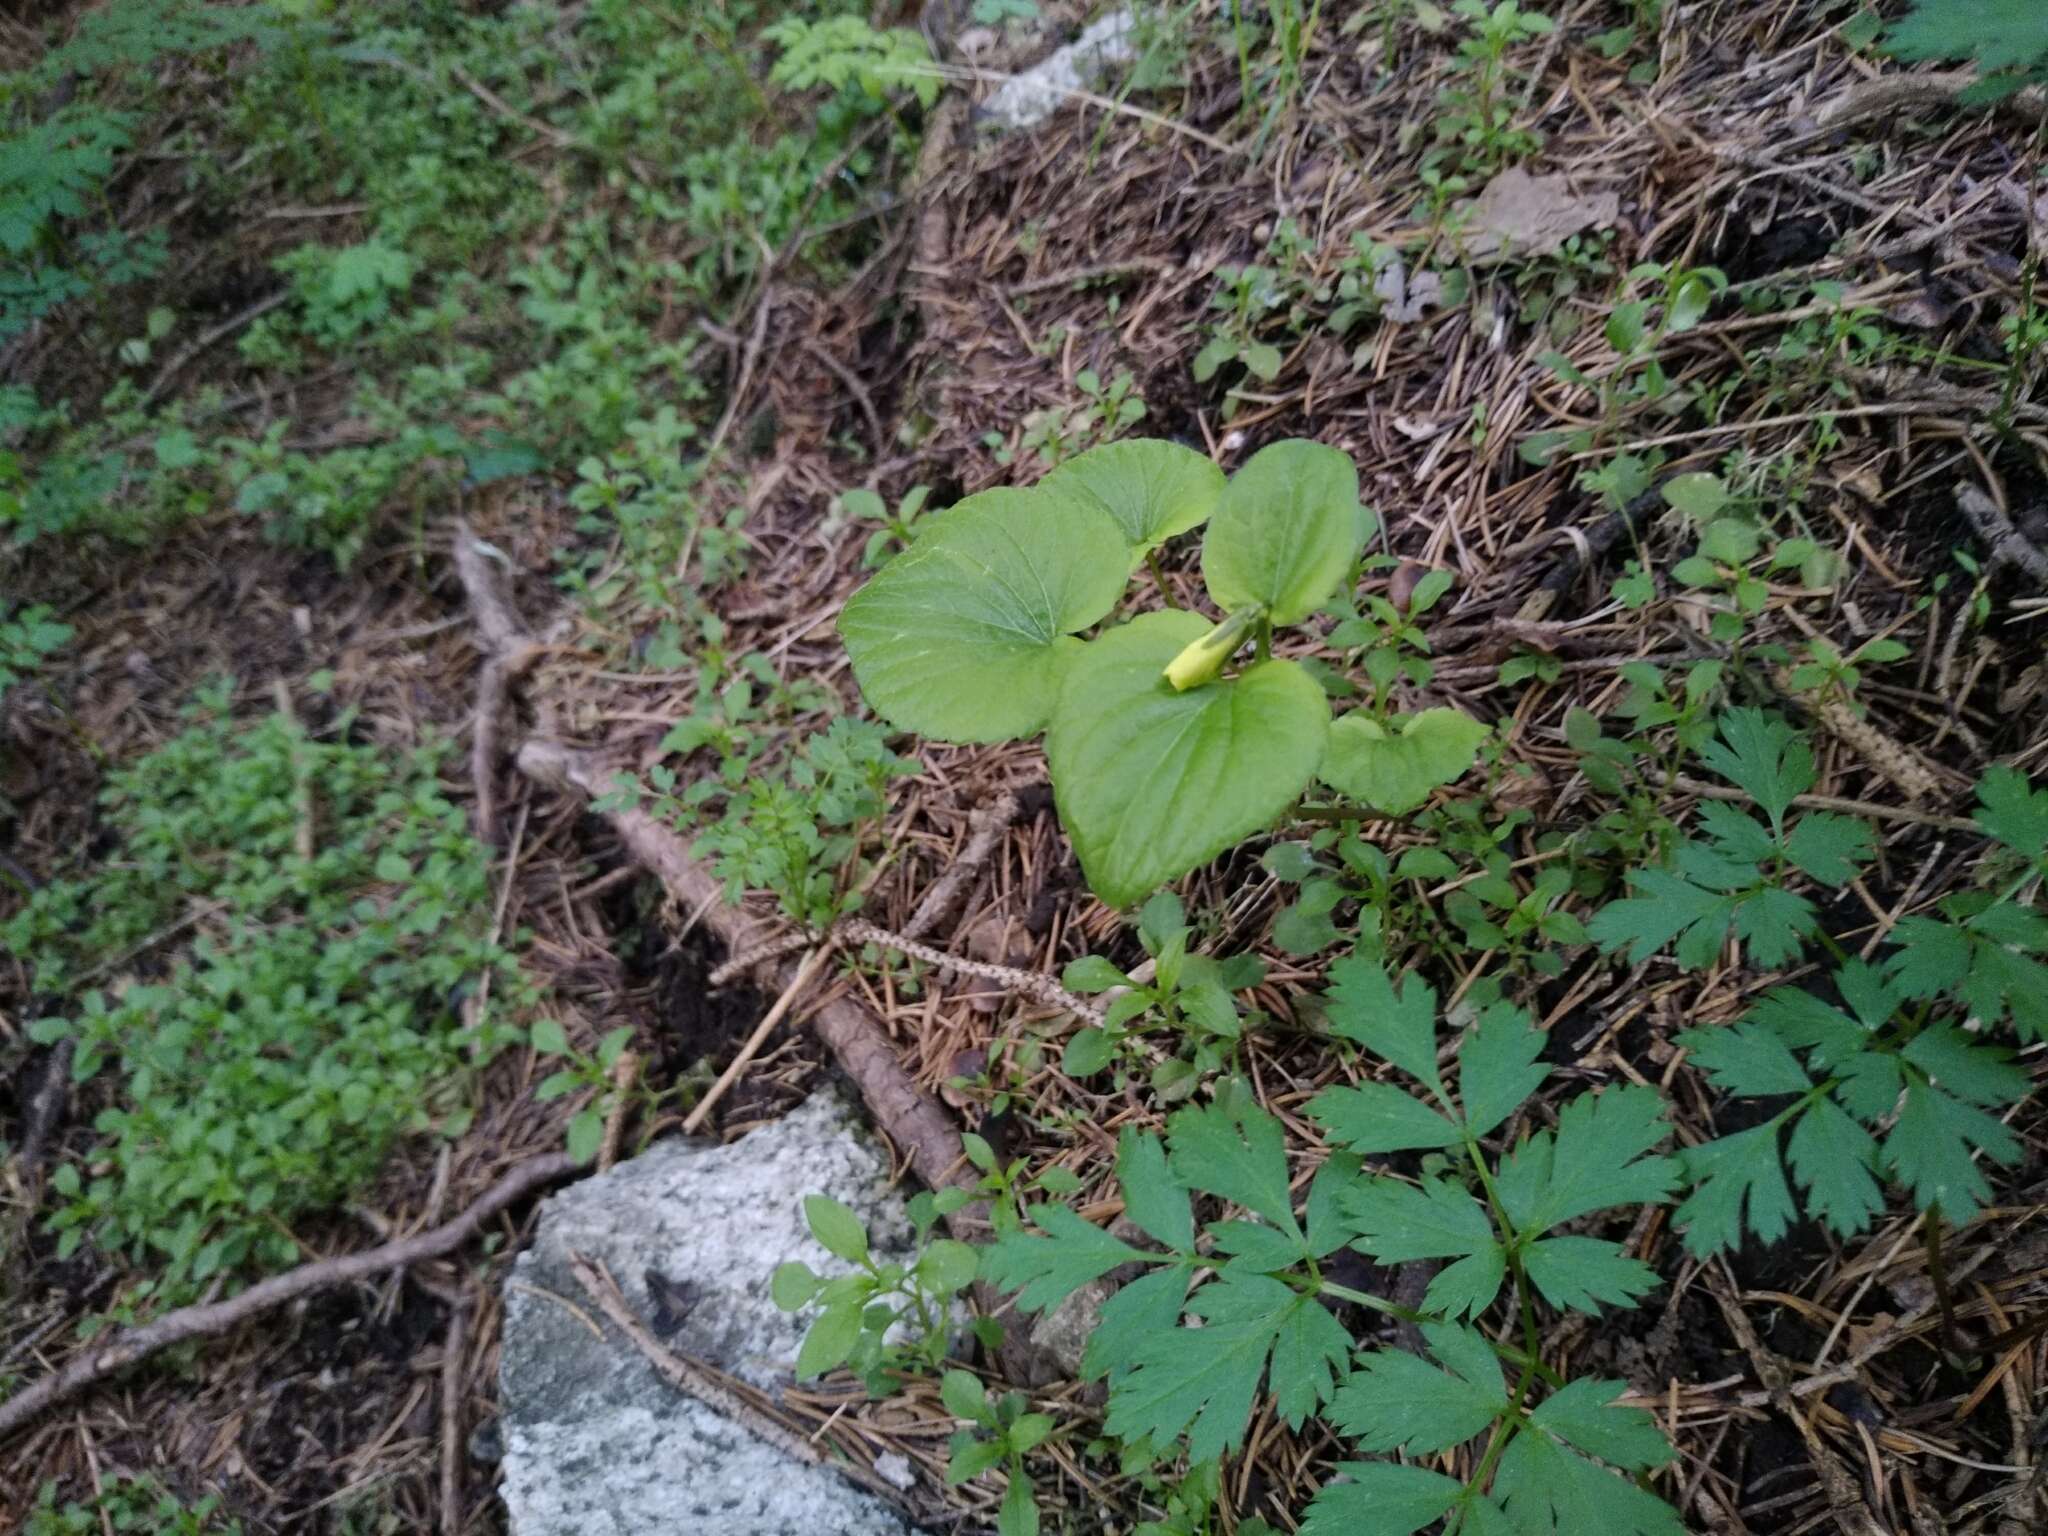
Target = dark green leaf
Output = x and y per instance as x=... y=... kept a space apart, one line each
x=1380 y=1498
x=1584 y=1273
x=1397 y=1402
x=1498 y=1067
x=1243 y=1159
x=1726 y=1173
x=1377 y=1117
x=1046 y=1270
x=1398 y=1026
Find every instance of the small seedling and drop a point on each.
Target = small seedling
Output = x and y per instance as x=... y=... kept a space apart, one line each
x=1191 y=998
x=883 y=1320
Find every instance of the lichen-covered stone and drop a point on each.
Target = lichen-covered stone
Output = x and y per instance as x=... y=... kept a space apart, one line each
x=597 y=1444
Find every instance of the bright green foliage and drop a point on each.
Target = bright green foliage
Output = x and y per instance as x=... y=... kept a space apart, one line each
x=860 y=1307
x=1006 y=1433
x=1152 y=782
x=1738 y=879
x=129 y=1506
x=1395 y=767
x=844 y=50
x=1153 y=489
x=28 y=638
x=1475 y=127
x=1190 y=996
x=2006 y=38
x=1882 y=1090
x=581 y=1070
x=965 y=636
x=261 y=1075
x=1983 y=948
x=795 y=831
x=1158 y=762
x=1287 y=529
x=1256 y=1283
x=480 y=337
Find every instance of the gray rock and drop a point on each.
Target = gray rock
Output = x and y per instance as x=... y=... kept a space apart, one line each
x=595 y=1443
x=1027 y=99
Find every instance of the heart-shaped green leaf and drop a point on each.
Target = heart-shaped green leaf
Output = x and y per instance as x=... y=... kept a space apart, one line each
x=1395 y=771
x=1151 y=783
x=1287 y=530
x=1153 y=489
x=962 y=636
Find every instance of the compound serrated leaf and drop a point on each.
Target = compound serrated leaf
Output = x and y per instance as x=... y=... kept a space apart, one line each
x=1395 y=1401
x=1153 y=1198
x=1398 y=1222
x=1745 y=1058
x=1584 y=1414
x=1730 y=1176
x=1581 y=1274
x=1398 y=1026
x=1202 y=1384
x=1498 y=1066
x=1378 y=1117
x=1142 y=1310
x=1242 y=1157
x=1382 y=1498
x=1596 y=1159
x=1832 y=1157
x=1929 y=1150
x=1550 y=1490
x=1045 y=1270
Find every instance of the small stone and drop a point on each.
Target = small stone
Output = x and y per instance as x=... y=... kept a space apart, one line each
x=595 y=1442
x=1028 y=99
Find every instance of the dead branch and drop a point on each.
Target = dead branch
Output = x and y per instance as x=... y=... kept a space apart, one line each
x=508 y=652
x=2007 y=545
x=451 y=1417
x=133 y=1345
x=913 y=1119
x=985 y=829
x=1891 y=95
x=1031 y=984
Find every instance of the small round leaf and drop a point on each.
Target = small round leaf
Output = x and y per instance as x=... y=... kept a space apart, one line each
x=1286 y=533
x=962 y=636
x=836 y=1228
x=1151 y=783
x=1153 y=489
x=1394 y=771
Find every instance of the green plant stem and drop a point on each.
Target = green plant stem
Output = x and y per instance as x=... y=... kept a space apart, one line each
x=1335 y=815
x=1376 y=1303
x=1159 y=578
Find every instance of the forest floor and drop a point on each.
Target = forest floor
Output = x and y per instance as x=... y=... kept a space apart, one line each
x=644 y=355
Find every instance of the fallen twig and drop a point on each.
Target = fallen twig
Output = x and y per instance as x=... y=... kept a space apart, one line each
x=912 y=1118
x=451 y=1417
x=805 y=974
x=508 y=651
x=131 y=1346
x=1039 y=988
x=985 y=829
x=2007 y=545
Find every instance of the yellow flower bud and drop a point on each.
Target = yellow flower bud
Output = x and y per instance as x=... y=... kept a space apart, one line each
x=1203 y=659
